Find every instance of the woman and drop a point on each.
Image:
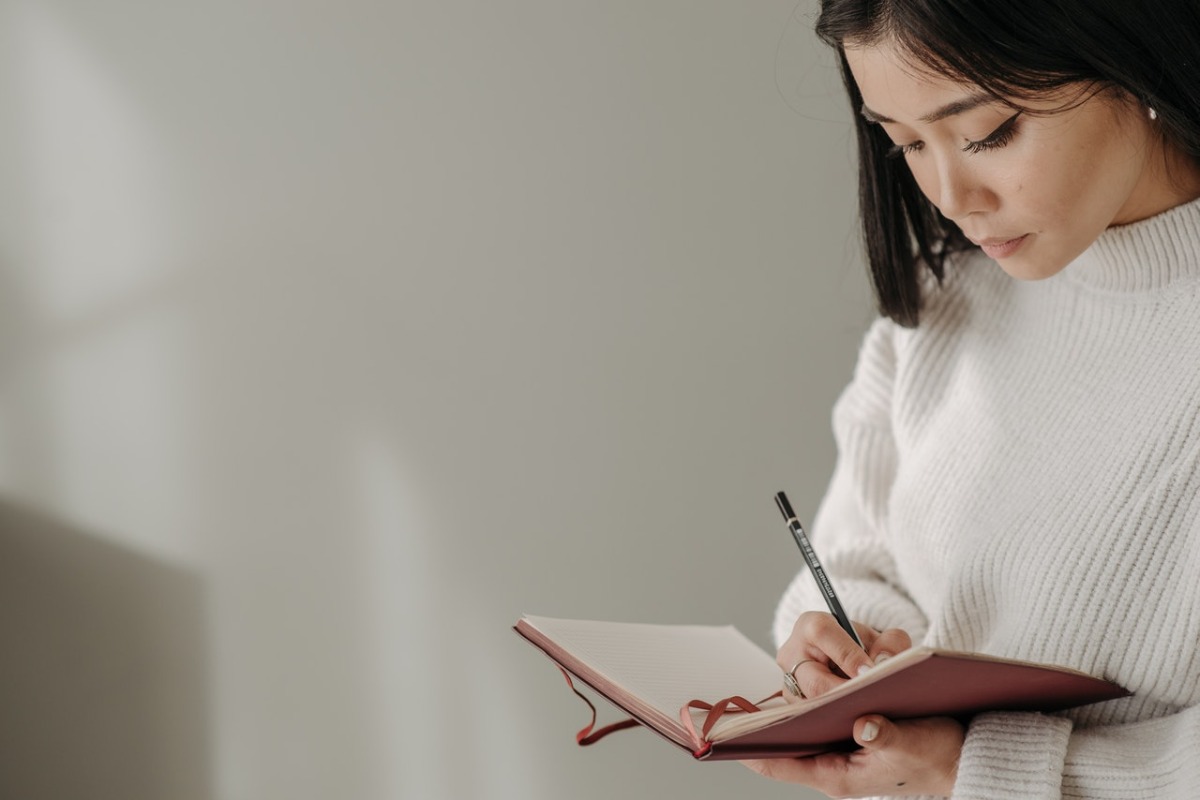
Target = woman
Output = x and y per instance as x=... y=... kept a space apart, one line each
x=1019 y=449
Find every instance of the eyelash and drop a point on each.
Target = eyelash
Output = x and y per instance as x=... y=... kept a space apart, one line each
x=994 y=141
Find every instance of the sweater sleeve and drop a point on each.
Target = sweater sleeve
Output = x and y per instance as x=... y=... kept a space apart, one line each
x=850 y=529
x=1023 y=754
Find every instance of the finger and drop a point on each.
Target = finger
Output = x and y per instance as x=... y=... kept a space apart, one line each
x=818 y=638
x=888 y=643
x=866 y=634
x=810 y=672
x=810 y=677
x=874 y=732
x=777 y=769
x=834 y=774
x=816 y=678
x=914 y=753
x=799 y=644
x=824 y=633
x=812 y=771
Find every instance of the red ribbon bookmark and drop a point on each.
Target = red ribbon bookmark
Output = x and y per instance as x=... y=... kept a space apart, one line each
x=587 y=736
x=715 y=711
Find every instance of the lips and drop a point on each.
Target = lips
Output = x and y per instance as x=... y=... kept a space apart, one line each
x=998 y=247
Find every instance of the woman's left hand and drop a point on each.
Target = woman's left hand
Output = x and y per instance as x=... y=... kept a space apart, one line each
x=912 y=757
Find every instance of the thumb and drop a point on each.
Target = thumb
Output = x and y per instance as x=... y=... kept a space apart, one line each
x=874 y=732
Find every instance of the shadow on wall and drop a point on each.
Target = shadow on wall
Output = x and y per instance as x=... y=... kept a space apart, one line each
x=103 y=684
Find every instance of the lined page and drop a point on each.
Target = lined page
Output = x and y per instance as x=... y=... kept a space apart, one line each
x=668 y=665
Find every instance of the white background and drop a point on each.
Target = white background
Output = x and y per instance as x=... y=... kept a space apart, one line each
x=335 y=336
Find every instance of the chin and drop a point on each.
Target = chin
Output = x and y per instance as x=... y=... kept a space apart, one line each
x=1037 y=262
x=1027 y=269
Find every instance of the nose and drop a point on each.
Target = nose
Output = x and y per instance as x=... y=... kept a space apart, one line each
x=957 y=189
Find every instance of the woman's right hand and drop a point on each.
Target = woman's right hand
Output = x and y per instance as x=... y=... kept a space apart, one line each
x=821 y=656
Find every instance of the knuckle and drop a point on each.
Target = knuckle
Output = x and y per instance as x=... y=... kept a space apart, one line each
x=848 y=653
x=822 y=685
x=810 y=623
x=898 y=636
x=853 y=658
x=787 y=656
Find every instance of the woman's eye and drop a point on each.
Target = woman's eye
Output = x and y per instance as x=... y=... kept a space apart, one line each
x=997 y=138
x=900 y=150
x=993 y=141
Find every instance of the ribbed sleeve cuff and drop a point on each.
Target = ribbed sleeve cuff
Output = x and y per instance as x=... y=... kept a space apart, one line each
x=881 y=607
x=1013 y=754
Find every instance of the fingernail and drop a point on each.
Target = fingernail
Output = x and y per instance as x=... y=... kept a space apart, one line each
x=870 y=731
x=864 y=669
x=882 y=657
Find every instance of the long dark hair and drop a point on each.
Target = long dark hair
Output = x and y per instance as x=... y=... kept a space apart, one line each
x=1149 y=51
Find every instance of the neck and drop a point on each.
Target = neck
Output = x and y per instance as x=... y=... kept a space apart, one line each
x=1171 y=178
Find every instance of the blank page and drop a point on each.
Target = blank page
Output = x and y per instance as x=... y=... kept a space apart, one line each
x=668 y=665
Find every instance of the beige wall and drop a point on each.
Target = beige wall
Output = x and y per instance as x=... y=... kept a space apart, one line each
x=334 y=336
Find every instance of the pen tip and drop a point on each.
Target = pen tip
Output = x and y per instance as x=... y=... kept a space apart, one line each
x=784 y=506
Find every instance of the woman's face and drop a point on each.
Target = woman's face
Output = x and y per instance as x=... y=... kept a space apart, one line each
x=1033 y=190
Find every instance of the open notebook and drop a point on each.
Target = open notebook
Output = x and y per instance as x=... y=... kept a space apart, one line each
x=669 y=677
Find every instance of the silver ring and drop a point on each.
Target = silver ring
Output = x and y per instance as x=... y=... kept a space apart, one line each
x=789 y=678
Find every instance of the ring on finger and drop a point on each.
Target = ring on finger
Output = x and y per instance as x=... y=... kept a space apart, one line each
x=789 y=678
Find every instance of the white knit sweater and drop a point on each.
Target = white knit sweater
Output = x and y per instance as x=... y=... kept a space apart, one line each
x=1020 y=475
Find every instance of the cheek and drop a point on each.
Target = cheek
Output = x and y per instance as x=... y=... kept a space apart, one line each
x=926 y=178
x=1057 y=173
x=1057 y=190
x=1033 y=184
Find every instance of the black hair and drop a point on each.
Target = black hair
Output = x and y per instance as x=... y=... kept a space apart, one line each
x=1148 y=51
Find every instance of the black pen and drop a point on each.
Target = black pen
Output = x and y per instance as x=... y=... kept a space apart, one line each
x=814 y=565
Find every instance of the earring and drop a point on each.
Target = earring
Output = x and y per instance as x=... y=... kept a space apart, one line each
x=1153 y=114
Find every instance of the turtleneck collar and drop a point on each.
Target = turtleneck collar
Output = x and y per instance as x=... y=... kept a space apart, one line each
x=1144 y=255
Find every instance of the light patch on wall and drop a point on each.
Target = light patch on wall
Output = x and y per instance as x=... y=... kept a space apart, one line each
x=448 y=723
x=100 y=213
x=115 y=435
x=405 y=632
x=94 y=400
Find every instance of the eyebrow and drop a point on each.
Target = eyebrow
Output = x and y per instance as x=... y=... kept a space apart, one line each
x=948 y=110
